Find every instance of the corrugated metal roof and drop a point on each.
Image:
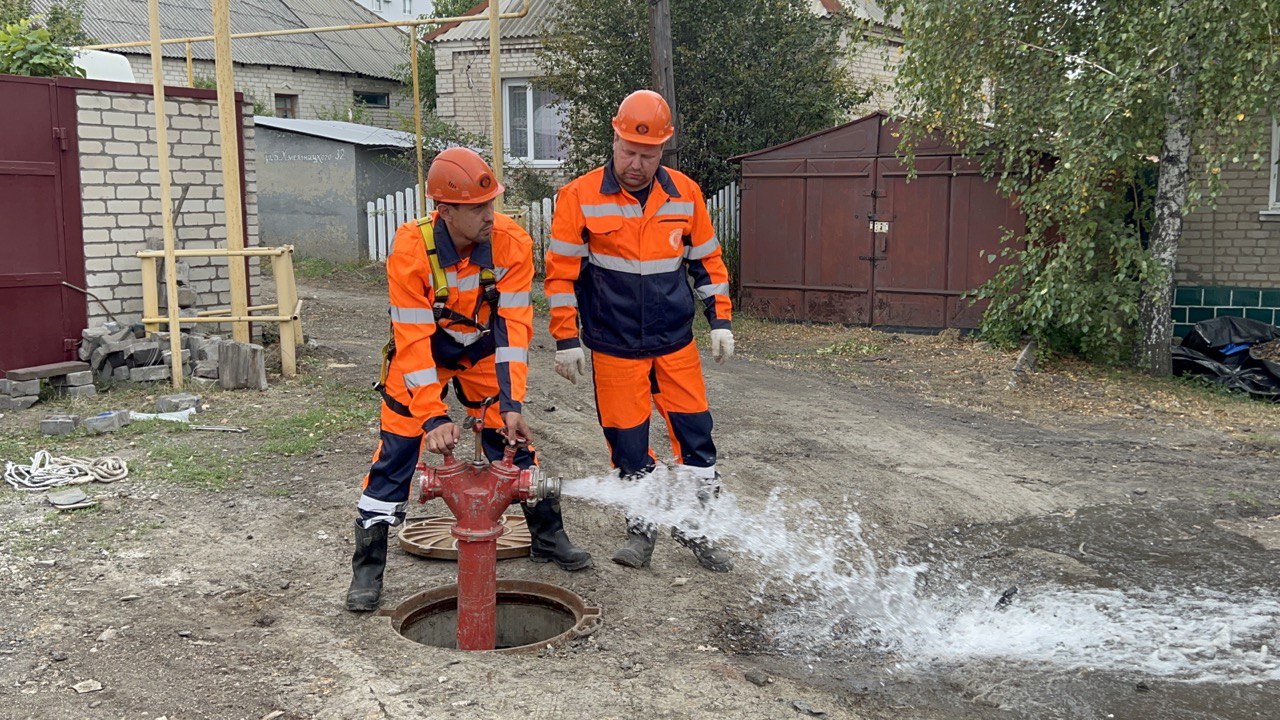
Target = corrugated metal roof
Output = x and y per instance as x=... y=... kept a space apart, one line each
x=530 y=25
x=375 y=53
x=353 y=133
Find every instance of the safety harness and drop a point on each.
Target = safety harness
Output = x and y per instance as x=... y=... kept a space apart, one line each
x=439 y=307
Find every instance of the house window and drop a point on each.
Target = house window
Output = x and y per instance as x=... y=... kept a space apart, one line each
x=286 y=106
x=408 y=7
x=373 y=99
x=534 y=118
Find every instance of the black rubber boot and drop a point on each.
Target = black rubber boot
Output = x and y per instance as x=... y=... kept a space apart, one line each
x=641 y=536
x=367 y=564
x=709 y=556
x=550 y=543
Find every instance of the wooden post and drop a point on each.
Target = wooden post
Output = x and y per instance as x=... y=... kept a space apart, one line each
x=287 y=294
x=191 y=75
x=495 y=87
x=150 y=298
x=232 y=192
x=166 y=195
x=662 y=68
x=417 y=119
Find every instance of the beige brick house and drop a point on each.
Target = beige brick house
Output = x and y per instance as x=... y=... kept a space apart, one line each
x=1229 y=257
x=296 y=76
x=532 y=120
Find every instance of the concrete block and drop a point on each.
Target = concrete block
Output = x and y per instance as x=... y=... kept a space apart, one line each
x=75 y=391
x=149 y=374
x=204 y=383
x=106 y=422
x=4 y=386
x=84 y=377
x=167 y=357
x=120 y=374
x=207 y=369
x=144 y=353
x=176 y=402
x=59 y=425
x=24 y=387
x=18 y=403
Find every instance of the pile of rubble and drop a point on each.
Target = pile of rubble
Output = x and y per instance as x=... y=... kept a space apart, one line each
x=131 y=354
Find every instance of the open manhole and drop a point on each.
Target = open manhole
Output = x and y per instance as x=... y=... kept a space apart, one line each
x=430 y=538
x=530 y=615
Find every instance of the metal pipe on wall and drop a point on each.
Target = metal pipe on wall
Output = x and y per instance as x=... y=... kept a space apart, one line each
x=495 y=88
x=417 y=118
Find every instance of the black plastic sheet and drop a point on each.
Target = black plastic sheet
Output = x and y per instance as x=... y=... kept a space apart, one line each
x=1223 y=350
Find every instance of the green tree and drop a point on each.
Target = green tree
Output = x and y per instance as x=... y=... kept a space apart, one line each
x=1070 y=105
x=748 y=74
x=62 y=19
x=29 y=50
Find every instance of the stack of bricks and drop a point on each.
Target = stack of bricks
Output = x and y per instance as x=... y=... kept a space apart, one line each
x=130 y=354
x=20 y=389
x=18 y=395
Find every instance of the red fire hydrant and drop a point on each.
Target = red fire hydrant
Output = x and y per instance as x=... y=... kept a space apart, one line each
x=478 y=493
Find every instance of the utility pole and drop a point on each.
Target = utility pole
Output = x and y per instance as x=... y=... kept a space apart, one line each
x=662 y=69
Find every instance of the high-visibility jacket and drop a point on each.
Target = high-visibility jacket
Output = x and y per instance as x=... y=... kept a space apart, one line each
x=422 y=342
x=616 y=271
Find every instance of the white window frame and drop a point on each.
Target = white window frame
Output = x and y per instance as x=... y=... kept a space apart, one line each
x=1274 y=199
x=506 y=125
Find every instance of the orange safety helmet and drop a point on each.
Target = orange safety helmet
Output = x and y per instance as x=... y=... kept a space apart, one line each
x=459 y=176
x=644 y=117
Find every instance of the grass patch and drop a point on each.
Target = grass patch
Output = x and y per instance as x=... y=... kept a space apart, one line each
x=342 y=408
x=321 y=269
x=190 y=467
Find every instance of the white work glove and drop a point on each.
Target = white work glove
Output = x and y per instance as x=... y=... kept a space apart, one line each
x=573 y=362
x=721 y=344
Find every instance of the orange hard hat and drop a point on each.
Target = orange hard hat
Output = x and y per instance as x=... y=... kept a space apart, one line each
x=459 y=176
x=644 y=117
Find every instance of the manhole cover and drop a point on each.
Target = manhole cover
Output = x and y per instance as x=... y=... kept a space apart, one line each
x=430 y=538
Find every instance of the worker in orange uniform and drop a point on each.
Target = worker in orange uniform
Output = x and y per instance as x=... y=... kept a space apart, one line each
x=459 y=284
x=623 y=238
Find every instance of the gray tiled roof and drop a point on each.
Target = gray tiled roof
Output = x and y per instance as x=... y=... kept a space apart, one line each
x=346 y=132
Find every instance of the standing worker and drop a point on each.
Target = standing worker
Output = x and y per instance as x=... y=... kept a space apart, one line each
x=459 y=284
x=622 y=239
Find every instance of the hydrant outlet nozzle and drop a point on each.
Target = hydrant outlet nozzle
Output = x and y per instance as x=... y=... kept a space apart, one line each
x=544 y=487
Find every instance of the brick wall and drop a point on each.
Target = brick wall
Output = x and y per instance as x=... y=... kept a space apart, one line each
x=119 y=179
x=872 y=64
x=1229 y=255
x=319 y=92
x=463 y=94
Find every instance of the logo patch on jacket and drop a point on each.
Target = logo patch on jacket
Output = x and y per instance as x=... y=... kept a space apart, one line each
x=675 y=238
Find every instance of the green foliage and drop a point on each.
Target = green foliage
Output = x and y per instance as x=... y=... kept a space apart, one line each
x=62 y=19
x=1068 y=103
x=526 y=185
x=748 y=74
x=356 y=112
x=426 y=55
x=26 y=49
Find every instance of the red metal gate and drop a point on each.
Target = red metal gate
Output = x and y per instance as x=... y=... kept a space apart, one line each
x=40 y=238
x=832 y=231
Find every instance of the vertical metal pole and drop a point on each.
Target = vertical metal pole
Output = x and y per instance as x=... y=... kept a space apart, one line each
x=495 y=83
x=661 y=64
x=417 y=119
x=191 y=75
x=232 y=192
x=166 y=194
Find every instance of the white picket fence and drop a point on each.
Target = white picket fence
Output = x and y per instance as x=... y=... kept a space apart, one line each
x=388 y=213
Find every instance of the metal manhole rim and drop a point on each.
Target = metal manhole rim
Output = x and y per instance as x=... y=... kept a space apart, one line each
x=429 y=537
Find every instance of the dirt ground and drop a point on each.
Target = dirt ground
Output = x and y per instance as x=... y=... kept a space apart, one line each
x=209 y=584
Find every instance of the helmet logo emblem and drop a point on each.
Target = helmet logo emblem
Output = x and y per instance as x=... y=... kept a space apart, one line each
x=642 y=129
x=486 y=181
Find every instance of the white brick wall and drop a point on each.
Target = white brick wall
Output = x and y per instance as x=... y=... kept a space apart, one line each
x=319 y=92
x=119 y=180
